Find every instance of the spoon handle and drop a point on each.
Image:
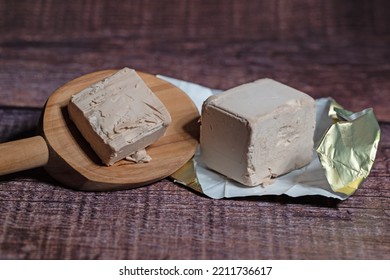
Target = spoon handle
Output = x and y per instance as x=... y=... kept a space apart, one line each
x=23 y=154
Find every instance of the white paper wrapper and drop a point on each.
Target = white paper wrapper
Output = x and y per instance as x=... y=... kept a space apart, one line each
x=309 y=180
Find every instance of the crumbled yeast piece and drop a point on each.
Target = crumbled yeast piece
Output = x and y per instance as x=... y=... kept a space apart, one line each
x=139 y=156
x=257 y=131
x=119 y=115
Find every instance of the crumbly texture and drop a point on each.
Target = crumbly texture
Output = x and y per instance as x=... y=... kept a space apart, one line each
x=257 y=131
x=119 y=115
x=139 y=156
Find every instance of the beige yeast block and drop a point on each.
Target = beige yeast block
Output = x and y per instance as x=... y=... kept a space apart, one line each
x=119 y=115
x=257 y=131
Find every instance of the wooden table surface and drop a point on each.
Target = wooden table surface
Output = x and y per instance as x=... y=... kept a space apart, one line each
x=325 y=48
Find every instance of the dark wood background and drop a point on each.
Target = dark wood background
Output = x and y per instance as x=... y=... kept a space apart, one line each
x=325 y=48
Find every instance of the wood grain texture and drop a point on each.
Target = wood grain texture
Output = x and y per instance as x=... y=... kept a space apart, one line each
x=43 y=220
x=321 y=47
x=325 y=48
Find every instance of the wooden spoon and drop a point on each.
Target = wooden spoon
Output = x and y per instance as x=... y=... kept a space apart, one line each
x=67 y=157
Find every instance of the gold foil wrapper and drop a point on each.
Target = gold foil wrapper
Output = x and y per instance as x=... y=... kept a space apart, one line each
x=346 y=153
x=186 y=175
x=348 y=148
